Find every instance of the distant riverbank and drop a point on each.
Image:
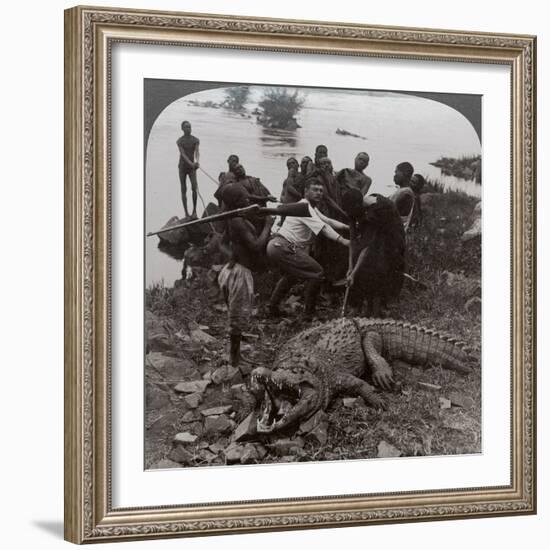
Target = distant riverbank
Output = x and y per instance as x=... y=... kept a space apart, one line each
x=466 y=168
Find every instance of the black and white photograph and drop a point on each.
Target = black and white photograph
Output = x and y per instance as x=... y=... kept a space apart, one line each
x=312 y=274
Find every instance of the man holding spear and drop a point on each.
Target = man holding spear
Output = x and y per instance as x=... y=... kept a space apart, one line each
x=245 y=245
x=188 y=146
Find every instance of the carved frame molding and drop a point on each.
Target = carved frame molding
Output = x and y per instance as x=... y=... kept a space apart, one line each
x=89 y=35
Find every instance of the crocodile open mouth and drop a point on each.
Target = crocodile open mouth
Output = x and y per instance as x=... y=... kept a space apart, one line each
x=286 y=398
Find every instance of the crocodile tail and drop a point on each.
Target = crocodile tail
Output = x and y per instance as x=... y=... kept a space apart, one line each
x=419 y=345
x=445 y=350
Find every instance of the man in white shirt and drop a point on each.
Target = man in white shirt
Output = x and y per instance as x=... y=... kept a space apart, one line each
x=289 y=250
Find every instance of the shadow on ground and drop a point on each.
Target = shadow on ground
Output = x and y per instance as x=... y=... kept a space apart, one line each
x=52 y=527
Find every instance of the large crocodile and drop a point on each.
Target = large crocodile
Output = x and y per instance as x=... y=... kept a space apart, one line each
x=333 y=358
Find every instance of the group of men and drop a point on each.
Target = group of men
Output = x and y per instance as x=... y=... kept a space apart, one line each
x=311 y=240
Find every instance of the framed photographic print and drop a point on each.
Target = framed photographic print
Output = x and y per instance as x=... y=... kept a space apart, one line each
x=300 y=278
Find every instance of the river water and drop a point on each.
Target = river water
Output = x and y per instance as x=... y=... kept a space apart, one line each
x=395 y=128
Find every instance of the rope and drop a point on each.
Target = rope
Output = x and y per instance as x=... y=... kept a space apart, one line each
x=202 y=199
x=208 y=175
x=204 y=210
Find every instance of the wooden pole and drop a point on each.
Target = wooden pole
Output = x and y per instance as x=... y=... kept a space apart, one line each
x=207 y=219
x=350 y=267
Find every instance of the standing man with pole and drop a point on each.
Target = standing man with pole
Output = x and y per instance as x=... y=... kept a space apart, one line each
x=188 y=146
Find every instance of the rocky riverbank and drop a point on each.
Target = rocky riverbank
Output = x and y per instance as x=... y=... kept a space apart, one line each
x=198 y=412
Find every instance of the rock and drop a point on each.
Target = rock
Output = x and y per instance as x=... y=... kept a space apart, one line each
x=385 y=450
x=155 y=398
x=172 y=369
x=195 y=428
x=217 y=447
x=247 y=428
x=319 y=434
x=185 y=437
x=189 y=346
x=297 y=451
x=467 y=286
x=261 y=450
x=159 y=332
x=473 y=305
x=289 y=458
x=444 y=403
x=224 y=373
x=164 y=464
x=283 y=447
x=459 y=400
x=206 y=456
x=349 y=402
x=195 y=386
x=249 y=455
x=189 y=416
x=233 y=453
x=164 y=423
x=193 y=400
x=181 y=455
x=159 y=342
x=308 y=425
x=216 y=411
x=218 y=425
x=201 y=337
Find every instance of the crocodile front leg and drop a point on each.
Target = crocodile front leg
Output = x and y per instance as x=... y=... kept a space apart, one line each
x=348 y=384
x=381 y=372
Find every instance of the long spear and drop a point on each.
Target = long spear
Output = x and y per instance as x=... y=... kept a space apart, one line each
x=299 y=209
x=206 y=219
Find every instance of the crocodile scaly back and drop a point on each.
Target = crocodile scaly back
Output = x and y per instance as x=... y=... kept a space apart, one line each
x=340 y=338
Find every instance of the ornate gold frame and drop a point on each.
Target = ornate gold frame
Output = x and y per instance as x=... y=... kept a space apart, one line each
x=89 y=34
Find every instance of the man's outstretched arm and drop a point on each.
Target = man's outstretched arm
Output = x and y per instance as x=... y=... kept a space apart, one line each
x=335 y=224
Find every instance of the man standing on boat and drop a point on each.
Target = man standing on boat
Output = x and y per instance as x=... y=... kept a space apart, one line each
x=188 y=146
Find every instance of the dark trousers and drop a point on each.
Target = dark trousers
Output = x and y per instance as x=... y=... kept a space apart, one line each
x=296 y=265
